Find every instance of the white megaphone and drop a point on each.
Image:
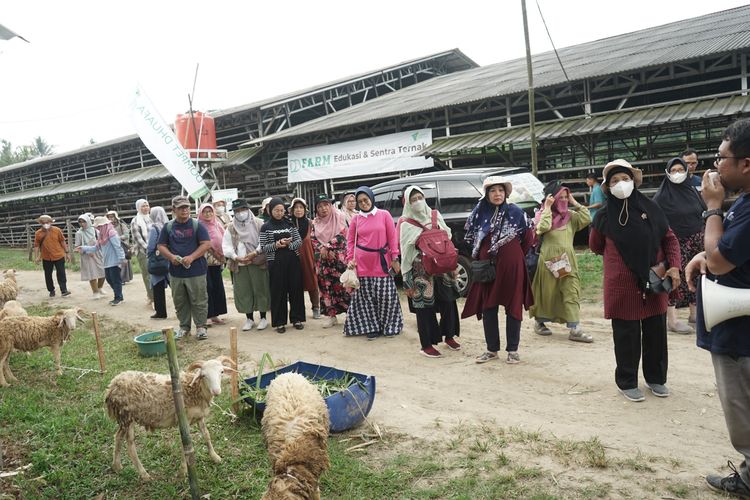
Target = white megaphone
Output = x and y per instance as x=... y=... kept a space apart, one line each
x=721 y=303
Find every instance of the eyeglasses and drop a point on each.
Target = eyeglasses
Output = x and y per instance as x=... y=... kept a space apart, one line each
x=718 y=158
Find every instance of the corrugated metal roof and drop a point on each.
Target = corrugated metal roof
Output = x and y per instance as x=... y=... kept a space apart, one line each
x=605 y=122
x=714 y=33
x=240 y=156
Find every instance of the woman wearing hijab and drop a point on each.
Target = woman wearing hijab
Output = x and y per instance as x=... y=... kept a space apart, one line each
x=683 y=207
x=632 y=234
x=306 y=254
x=113 y=255
x=123 y=231
x=280 y=242
x=372 y=248
x=328 y=235
x=217 y=298
x=557 y=299
x=220 y=209
x=92 y=269
x=349 y=207
x=497 y=231
x=158 y=284
x=427 y=294
x=140 y=227
x=248 y=266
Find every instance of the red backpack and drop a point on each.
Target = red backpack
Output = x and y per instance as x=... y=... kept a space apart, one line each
x=439 y=255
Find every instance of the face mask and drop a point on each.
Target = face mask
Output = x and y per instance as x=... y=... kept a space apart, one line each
x=622 y=189
x=242 y=216
x=46 y=226
x=419 y=205
x=220 y=210
x=678 y=177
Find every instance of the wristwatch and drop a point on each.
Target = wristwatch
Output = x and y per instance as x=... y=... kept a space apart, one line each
x=708 y=213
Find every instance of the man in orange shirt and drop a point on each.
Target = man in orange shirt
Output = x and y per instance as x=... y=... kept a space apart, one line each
x=50 y=247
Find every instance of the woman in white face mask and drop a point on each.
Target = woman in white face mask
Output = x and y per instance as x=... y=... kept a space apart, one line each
x=683 y=207
x=633 y=235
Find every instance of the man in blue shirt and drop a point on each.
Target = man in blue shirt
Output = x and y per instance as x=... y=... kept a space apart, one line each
x=690 y=157
x=596 y=198
x=726 y=259
x=184 y=242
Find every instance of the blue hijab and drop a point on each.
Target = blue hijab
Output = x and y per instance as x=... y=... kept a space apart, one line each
x=366 y=190
x=503 y=222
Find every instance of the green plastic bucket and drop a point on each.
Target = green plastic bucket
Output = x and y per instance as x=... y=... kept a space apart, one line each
x=151 y=344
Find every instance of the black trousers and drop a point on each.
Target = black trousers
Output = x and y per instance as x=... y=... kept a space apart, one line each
x=492 y=330
x=160 y=299
x=285 y=274
x=59 y=267
x=633 y=338
x=217 y=297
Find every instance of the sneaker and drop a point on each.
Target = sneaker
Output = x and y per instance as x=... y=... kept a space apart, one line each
x=52 y=293
x=513 y=358
x=97 y=295
x=298 y=325
x=487 y=356
x=681 y=328
x=430 y=352
x=330 y=321
x=249 y=324
x=635 y=395
x=201 y=333
x=65 y=293
x=452 y=344
x=115 y=302
x=577 y=335
x=179 y=333
x=263 y=324
x=658 y=390
x=541 y=329
x=101 y=292
x=372 y=336
x=280 y=329
x=732 y=484
x=316 y=313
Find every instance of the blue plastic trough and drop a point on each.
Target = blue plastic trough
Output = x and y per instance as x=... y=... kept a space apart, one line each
x=347 y=408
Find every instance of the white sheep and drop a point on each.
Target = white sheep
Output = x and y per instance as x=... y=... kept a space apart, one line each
x=34 y=332
x=146 y=399
x=12 y=308
x=295 y=430
x=8 y=287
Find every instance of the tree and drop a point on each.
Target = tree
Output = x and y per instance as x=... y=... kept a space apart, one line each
x=38 y=148
x=42 y=147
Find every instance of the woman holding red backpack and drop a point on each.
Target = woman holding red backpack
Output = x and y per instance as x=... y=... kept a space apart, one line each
x=428 y=294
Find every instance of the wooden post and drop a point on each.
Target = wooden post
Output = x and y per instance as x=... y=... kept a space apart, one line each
x=179 y=407
x=530 y=77
x=234 y=379
x=99 y=347
x=29 y=242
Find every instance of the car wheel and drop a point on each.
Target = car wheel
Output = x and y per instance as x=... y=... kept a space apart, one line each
x=463 y=280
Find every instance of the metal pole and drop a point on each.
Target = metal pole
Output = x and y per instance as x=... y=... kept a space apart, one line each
x=530 y=73
x=179 y=406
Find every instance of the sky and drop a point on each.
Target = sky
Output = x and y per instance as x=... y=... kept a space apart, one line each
x=73 y=82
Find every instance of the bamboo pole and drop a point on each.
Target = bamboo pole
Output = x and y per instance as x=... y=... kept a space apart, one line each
x=234 y=379
x=530 y=76
x=99 y=347
x=179 y=406
x=29 y=242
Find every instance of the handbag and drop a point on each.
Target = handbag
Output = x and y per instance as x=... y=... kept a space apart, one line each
x=212 y=260
x=126 y=248
x=157 y=265
x=349 y=277
x=559 y=266
x=483 y=271
x=658 y=281
x=532 y=258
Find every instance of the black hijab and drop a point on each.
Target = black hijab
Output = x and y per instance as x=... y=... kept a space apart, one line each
x=273 y=224
x=639 y=238
x=681 y=204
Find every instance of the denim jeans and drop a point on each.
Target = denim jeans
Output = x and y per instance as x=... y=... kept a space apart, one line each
x=115 y=280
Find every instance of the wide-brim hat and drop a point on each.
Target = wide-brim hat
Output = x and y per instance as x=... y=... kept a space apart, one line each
x=493 y=180
x=636 y=173
x=298 y=200
x=45 y=217
x=100 y=220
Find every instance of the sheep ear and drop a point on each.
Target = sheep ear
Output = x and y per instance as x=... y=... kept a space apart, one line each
x=226 y=361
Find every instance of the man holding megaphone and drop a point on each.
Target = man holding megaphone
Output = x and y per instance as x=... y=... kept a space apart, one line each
x=725 y=261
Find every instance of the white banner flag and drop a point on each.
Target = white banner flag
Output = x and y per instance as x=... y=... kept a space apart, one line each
x=386 y=153
x=161 y=141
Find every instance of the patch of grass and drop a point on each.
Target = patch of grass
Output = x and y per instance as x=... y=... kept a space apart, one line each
x=590 y=272
x=679 y=490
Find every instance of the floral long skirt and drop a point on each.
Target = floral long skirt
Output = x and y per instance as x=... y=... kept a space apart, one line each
x=690 y=246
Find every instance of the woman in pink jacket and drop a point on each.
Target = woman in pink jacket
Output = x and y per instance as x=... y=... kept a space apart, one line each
x=372 y=248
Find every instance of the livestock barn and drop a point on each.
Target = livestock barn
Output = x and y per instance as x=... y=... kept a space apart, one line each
x=643 y=96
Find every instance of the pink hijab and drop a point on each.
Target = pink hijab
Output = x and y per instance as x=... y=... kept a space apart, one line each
x=560 y=213
x=326 y=228
x=215 y=229
x=106 y=231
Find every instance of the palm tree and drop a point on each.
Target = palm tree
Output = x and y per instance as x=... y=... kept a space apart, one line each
x=41 y=147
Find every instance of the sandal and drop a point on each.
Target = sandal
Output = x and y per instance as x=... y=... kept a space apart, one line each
x=487 y=356
x=217 y=321
x=298 y=325
x=577 y=335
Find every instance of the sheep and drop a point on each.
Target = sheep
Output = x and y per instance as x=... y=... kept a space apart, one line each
x=33 y=332
x=295 y=430
x=12 y=308
x=146 y=399
x=8 y=287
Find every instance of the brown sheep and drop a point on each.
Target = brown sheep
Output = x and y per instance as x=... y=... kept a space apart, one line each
x=12 y=308
x=146 y=399
x=295 y=430
x=32 y=333
x=8 y=287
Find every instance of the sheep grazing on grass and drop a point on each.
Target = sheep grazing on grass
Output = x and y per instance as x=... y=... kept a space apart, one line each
x=34 y=332
x=8 y=287
x=295 y=429
x=146 y=399
x=12 y=308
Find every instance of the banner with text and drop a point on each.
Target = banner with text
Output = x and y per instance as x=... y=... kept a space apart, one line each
x=387 y=153
x=161 y=141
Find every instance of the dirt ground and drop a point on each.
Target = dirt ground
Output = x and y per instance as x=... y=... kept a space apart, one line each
x=561 y=388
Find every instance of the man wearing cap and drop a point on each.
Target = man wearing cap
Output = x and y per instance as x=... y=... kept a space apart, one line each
x=51 y=248
x=184 y=242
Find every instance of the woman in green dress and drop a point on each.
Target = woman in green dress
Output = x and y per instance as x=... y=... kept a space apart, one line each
x=556 y=286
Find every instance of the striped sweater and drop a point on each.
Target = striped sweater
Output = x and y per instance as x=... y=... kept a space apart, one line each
x=269 y=237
